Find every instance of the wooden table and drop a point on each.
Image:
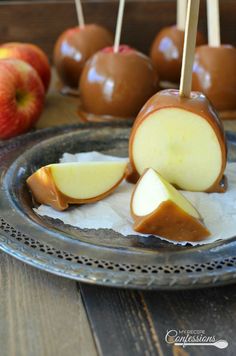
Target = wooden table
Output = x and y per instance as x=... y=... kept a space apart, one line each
x=45 y=315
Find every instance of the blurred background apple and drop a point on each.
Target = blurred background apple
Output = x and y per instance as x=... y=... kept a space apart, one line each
x=31 y=54
x=74 y=47
x=21 y=97
x=117 y=84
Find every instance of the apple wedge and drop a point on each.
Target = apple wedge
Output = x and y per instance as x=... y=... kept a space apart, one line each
x=62 y=184
x=159 y=209
x=182 y=139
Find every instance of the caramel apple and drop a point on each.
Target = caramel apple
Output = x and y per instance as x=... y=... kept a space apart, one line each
x=214 y=74
x=74 y=47
x=182 y=139
x=159 y=209
x=117 y=84
x=167 y=50
x=62 y=184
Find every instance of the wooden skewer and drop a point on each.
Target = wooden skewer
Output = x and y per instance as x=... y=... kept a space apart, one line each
x=213 y=23
x=80 y=14
x=181 y=14
x=119 y=25
x=189 y=48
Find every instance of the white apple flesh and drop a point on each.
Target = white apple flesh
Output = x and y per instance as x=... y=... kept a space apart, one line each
x=87 y=180
x=62 y=184
x=182 y=139
x=158 y=208
x=152 y=190
x=181 y=146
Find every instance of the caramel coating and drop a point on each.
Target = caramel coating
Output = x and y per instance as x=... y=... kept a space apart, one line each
x=44 y=191
x=198 y=104
x=214 y=74
x=74 y=47
x=171 y=222
x=117 y=84
x=167 y=50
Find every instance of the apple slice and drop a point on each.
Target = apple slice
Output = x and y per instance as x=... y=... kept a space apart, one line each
x=182 y=139
x=159 y=209
x=62 y=184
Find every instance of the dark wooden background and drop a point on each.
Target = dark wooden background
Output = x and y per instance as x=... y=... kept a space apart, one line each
x=42 y=21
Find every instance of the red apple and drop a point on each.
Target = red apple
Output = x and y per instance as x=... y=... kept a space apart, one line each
x=21 y=97
x=31 y=54
x=74 y=47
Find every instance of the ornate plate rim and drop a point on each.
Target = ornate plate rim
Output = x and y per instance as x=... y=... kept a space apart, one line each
x=106 y=277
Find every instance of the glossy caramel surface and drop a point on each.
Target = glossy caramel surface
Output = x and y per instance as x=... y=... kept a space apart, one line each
x=117 y=84
x=214 y=74
x=167 y=50
x=74 y=47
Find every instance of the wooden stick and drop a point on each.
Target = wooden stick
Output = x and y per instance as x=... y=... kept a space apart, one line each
x=189 y=48
x=181 y=14
x=119 y=25
x=213 y=23
x=79 y=11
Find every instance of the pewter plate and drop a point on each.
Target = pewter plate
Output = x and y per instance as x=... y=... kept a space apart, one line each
x=101 y=257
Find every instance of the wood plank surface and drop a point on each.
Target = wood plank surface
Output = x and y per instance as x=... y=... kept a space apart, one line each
x=120 y=322
x=40 y=314
x=137 y=322
x=45 y=20
x=59 y=109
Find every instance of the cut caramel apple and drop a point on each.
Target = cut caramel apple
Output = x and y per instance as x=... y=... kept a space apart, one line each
x=159 y=209
x=182 y=139
x=62 y=184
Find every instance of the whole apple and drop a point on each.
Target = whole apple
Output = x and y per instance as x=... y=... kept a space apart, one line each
x=21 y=97
x=74 y=47
x=31 y=54
x=117 y=83
x=167 y=51
x=214 y=74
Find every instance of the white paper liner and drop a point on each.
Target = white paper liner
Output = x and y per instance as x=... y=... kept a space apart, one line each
x=218 y=210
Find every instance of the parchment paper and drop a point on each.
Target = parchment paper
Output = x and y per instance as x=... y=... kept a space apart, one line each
x=218 y=210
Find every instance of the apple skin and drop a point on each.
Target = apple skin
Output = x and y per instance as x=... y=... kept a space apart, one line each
x=21 y=97
x=167 y=50
x=198 y=104
x=117 y=84
x=74 y=47
x=214 y=74
x=31 y=54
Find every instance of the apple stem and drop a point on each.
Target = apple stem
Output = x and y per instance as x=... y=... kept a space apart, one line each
x=181 y=14
x=213 y=23
x=80 y=14
x=189 y=48
x=119 y=25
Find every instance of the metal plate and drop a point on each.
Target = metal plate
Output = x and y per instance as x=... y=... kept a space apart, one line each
x=96 y=256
